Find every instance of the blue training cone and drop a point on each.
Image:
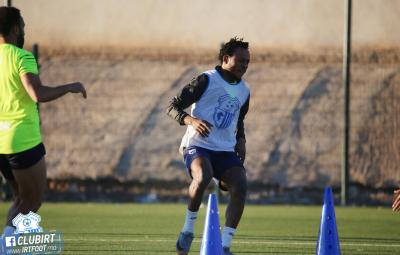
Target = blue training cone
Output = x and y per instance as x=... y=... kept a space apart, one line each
x=328 y=240
x=211 y=243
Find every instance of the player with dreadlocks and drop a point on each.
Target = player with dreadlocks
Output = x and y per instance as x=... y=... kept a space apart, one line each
x=214 y=143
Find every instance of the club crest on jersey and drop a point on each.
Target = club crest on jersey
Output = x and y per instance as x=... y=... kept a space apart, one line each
x=226 y=110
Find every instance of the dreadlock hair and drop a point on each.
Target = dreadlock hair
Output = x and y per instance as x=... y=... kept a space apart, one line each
x=230 y=47
x=9 y=17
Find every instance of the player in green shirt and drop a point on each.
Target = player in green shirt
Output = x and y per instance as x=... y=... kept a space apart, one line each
x=22 y=153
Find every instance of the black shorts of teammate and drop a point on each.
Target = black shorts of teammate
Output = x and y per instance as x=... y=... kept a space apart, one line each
x=20 y=160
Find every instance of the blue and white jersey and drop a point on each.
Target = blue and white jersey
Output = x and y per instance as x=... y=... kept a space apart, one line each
x=219 y=105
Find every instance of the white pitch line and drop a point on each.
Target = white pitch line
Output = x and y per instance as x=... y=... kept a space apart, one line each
x=236 y=241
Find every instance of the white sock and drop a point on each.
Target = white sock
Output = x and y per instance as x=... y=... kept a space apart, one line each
x=190 y=220
x=8 y=230
x=227 y=235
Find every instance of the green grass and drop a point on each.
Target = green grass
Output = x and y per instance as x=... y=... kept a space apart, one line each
x=152 y=229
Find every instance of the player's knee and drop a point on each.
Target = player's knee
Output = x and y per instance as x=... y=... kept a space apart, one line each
x=202 y=180
x=239 y=189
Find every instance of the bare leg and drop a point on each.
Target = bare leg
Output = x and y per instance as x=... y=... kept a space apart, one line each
x=236 y=182
x=202 y=174
x=13 y=209
x=31 y=186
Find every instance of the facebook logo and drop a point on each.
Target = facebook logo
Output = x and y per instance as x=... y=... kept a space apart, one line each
x=10 y=241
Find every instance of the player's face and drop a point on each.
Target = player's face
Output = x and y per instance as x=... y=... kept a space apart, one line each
x=237 y=63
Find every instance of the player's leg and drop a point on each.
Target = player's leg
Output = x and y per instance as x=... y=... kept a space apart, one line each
x=16 y=201
x=235 y=181
x=5 y=169
x=201 y=172
x=31 y=183
x=29 y=172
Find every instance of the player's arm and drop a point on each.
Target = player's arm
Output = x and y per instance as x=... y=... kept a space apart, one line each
x=240 y=147
x=190 y=94
x=40 y=93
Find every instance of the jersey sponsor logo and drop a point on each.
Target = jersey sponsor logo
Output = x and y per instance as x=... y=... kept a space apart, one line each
x=226 y=110
x=192 y=151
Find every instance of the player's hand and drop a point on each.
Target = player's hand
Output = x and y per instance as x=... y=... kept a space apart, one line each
x=77 y=87
x=396 y=201
x=240 y=148
x=202 y=127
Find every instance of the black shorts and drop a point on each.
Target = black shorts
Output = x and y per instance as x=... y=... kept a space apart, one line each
x=20 y=160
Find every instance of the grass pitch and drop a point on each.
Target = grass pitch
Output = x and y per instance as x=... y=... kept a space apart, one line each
x=152 y=229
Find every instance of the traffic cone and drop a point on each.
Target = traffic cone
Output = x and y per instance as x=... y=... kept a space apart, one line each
x=211 y=243
x=328 y=240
